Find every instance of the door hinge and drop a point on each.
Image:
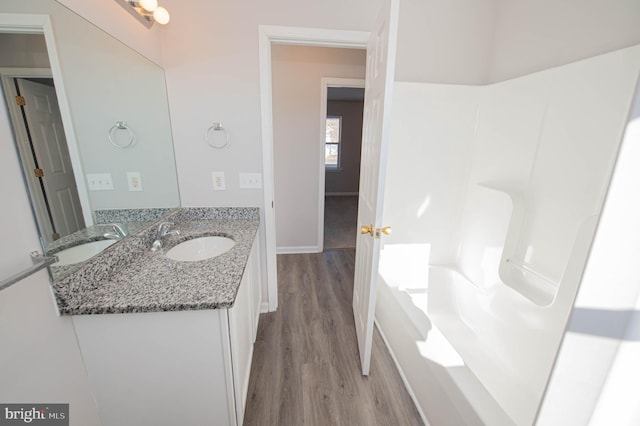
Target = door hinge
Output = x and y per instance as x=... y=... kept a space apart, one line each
x=20 y=100
x=273 y=204
x=39 y=172
x=55 y=236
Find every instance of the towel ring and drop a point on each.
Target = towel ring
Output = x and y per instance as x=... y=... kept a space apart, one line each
x=121 y=125
x=217 y=127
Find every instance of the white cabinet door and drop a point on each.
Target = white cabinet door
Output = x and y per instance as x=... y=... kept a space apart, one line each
x=256 y=285
x=242 y=329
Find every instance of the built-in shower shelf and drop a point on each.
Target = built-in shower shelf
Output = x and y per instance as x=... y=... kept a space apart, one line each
x=529 y=282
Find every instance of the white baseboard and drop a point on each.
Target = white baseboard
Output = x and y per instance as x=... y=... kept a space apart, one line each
x=264 y=307
x=340 y=194
x=402 y=375
x=298 y=250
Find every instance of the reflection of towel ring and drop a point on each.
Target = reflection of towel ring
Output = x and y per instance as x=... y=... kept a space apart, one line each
x=217 y=127
x=121 y=125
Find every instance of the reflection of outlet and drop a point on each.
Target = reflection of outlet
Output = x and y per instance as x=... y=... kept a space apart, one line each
x=100 y=181
x=251 y=180
x=134 y=181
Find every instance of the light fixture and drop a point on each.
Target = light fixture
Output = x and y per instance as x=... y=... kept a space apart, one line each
x=161 y=15
x=148 y=5
x=146 y=11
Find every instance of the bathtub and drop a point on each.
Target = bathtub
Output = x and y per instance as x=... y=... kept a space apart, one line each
x=469 y=354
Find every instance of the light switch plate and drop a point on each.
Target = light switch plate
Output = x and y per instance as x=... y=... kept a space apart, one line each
x=134 y=180
x=251 y=180
x=99 y=182
x=218 y=181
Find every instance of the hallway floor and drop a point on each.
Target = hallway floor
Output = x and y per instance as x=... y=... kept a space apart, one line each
x=340 y=221
x=306 y=367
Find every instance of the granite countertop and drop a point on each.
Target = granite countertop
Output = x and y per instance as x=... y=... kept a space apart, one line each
x=127 y=277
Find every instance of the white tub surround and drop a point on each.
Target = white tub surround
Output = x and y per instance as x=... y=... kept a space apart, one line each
x=507 y=183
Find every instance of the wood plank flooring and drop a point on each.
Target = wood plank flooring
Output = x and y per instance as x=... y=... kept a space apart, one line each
x=306 y=367
x=340 y=221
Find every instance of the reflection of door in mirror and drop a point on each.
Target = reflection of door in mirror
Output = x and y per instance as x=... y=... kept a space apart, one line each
x=58 y=209
x=37 y=124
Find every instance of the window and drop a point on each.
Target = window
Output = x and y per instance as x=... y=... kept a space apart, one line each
x=332 y=142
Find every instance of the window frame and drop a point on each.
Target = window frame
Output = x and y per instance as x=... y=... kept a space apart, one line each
x=338 y=165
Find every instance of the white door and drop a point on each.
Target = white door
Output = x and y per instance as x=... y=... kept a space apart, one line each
x=375 y=136
x=50 y=150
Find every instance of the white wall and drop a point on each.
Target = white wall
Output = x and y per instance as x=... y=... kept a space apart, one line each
x=347 y=178
x=40 y=360
x=23 y=50
x=445 y=41
x=534 y=35
x=492 y=40
x=297 y=141
x=210 y=55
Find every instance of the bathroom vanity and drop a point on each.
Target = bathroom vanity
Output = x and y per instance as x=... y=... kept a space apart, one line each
x=166 y=341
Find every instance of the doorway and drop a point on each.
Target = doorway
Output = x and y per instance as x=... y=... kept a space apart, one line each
x=268 y=36
x=301 y=150
x=380 y=51
x=343 y=104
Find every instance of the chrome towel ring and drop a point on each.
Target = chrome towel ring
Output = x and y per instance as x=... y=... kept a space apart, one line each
x=121 y=125
x=217 y=127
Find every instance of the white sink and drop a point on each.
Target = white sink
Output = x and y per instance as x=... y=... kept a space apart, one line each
x=200 y=248
x=81 y=252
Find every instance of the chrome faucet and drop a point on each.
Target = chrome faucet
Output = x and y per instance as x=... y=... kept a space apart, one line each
x=117 y=233
x=164 y=229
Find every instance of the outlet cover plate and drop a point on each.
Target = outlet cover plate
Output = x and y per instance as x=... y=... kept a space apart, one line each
x=100 y=182
x=218 y=181
x=134 y=181
x=251 y=180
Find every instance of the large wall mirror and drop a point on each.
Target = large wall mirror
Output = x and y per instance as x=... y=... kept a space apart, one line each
x=94 y=133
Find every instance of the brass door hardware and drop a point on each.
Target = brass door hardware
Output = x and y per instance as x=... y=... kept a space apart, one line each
x=375 y=231
x=367 y=229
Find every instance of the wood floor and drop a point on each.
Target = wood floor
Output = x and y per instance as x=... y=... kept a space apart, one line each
x=340 y=221
x=306 y=367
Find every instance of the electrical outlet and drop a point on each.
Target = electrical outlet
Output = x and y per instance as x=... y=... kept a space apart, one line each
x=218 y=181
x=134 y=180
x=100 y=181
x=251 y=180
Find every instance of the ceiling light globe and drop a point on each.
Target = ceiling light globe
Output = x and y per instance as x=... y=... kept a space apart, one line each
x=149 y=5
x=161 y=15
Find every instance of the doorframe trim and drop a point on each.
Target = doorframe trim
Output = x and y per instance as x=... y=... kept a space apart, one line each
x=20 y=23
x=325 y=84
x=268 y=35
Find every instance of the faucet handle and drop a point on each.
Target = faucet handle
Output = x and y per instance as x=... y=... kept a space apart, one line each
x=164 y=226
